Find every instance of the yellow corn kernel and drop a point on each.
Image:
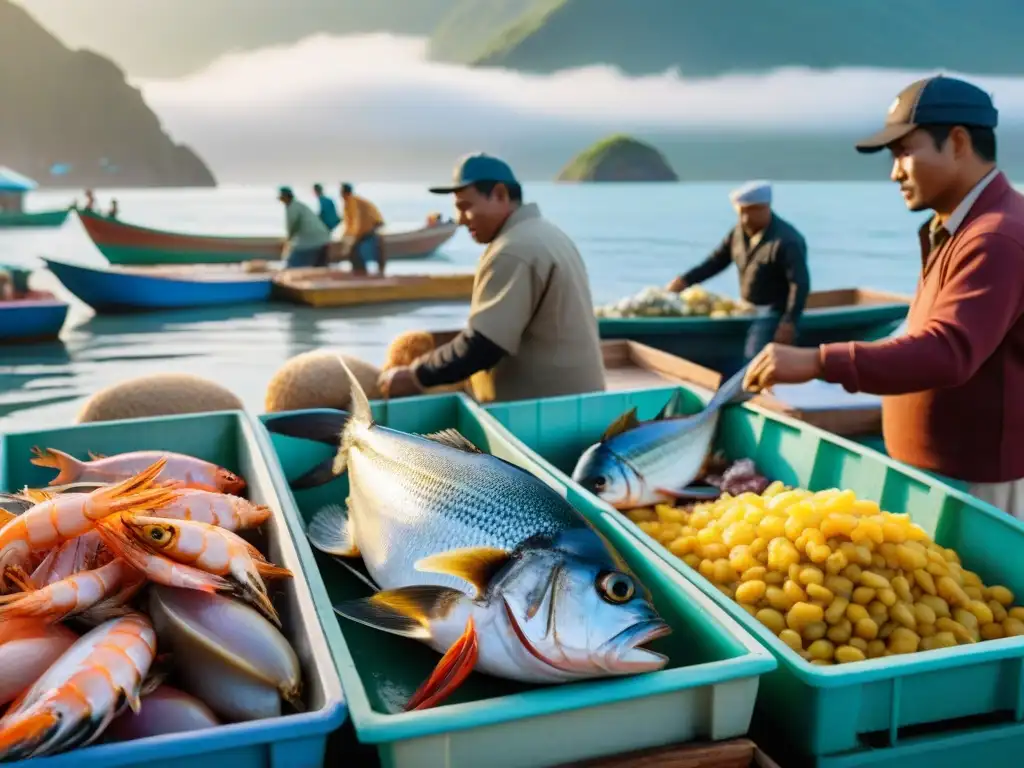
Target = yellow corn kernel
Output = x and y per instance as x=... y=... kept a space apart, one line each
x=839 y=585
x=959 y=631
x=992 y=631
x=693 y=560
x=904 y=614
x=937 y=604
x=819 y=593
x=821 y=649
x=865 y=629
x=835 y=562
x=1000 y=594
x=772 y=619
x=794 y=592
x=873 y=580
x=802 y=614
x=841 y=632
x=859 y=643
x=945 y=640
x=715 y=551
x=901 y=586
x=887 y=597
x=904 y=640
x=669 y=514
x=1013 y=627
x=751 y=591
x=855 y=612
x=876 y=649
x=981 y=611
x=836 y=611
x=792 y=639
x=863 y=595
x=924 y=614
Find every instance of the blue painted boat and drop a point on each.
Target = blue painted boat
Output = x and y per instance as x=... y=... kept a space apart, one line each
x=34 y=219
x=111 y=289
x=34 y=317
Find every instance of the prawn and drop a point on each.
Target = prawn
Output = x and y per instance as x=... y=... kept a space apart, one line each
x=78 y=554
x=27 y=649
x=74 y=700
x=67 y=597
x=157 y=567
x=231 y=513
x=210 y=549
x=60 y=518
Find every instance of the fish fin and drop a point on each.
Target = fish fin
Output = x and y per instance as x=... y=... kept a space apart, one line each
x=406 y=611
x=67 y=466
x=27 y=732
x=453 y=439
x=729 y=391
x=321 y=426
x=96 y=456
x=330 y=531
x=270 y=571
x=624 y=423
x=477 y=565
x=673 y=408
x=359 y=575
x=585 y=542
x=360 y=402
x=321 y=474
x=454 y=667
x=691 y=492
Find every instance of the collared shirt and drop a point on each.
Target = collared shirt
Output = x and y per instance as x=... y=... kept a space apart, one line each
x=361 y=217
x=305 y=230
x=532 y=298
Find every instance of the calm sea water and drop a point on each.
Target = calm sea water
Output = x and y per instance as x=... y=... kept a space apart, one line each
x=631 y=236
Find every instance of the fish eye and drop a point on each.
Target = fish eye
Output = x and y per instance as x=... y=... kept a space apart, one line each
x=600 y=483
x=615 y=587
x=157 y=534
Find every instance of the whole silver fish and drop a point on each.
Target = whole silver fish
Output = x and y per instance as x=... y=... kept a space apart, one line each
x=641 y=464
x=481 y=561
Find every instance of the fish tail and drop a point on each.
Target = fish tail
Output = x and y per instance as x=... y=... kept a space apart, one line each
x=730 y=390
x=321 y=425
x=255 y=592
x=21 y=737
x=68 y=467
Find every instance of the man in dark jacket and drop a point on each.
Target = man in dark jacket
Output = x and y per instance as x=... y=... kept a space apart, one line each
x=771 y=256
x=951 y=384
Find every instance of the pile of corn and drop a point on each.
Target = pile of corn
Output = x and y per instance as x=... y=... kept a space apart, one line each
x=833 y=576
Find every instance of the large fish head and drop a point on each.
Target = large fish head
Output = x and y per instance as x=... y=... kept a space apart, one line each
x=229 y=482
x=581 y=615
x=609 y=477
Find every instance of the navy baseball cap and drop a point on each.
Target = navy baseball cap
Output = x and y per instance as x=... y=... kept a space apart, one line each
x=933 y=101
x=477 y=167
x=285 y=191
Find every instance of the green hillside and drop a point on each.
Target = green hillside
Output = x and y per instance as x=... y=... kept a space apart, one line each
x=467 y=31
x=171 y=38
x=711 y=37
x=618 y=158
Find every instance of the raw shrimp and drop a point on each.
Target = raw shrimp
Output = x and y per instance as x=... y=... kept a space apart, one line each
x=63 y=517
x=231 y=513
x=66 y=597
x=78 y=554
x=157 y=567
x=179 y=468
x=72 y=703
x=211 y=549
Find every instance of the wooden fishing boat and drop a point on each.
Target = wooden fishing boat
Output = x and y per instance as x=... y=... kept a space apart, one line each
x=32 y=316
x=848 y=314
x=37 y=219
x=114 y=289
x=336 y=288
x=132 y=245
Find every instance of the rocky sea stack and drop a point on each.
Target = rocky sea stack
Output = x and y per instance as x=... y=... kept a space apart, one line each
x=619 y=158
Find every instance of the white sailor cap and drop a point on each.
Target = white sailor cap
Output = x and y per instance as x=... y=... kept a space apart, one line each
x=752 y=193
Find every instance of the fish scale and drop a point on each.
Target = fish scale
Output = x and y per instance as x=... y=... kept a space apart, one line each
x=412 y=497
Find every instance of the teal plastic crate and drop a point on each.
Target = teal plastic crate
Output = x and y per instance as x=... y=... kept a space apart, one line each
x=818 y=710
x=232 y=440
x=708 y=692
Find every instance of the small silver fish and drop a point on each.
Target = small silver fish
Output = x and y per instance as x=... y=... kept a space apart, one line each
x=478 y=559
x=641 y=464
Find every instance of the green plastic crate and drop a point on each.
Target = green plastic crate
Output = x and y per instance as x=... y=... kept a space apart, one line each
x=819 y=710
x=232 y=440
x=709 y=692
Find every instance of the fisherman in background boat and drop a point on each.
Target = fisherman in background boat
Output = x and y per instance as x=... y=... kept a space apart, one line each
x=531 y=331
x=362 y=231
x=771 y=256
x=952 y=384
x=90 y=201
x=112 y=213
x=307 y=237
x=328 y=210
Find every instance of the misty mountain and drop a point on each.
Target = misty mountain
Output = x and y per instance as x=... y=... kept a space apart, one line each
x=172 y=38
x=74 y=108
x=712 y=37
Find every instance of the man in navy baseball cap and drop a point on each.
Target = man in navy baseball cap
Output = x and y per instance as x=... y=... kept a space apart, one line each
x=477 y=168
x=951 y=382
x=933 y=101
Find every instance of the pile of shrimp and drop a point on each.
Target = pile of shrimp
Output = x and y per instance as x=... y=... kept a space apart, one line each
x=118 y=557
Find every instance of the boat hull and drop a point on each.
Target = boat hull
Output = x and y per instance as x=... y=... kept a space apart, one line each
x=832 y=316
x=131 y=245
x=34 y=219
x=32 y=319
x=116 y=291
x=322 y=288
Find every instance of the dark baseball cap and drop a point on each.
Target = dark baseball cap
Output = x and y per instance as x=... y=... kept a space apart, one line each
x=474 y=168
x=933 y=101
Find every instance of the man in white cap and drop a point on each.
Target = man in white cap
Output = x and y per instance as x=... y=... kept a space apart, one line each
x=771 y=256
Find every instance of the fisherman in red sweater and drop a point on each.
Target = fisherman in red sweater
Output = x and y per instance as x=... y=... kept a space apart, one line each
x=953 y=384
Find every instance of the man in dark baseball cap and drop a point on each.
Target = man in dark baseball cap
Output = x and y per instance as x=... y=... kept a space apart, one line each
x=952 y=383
